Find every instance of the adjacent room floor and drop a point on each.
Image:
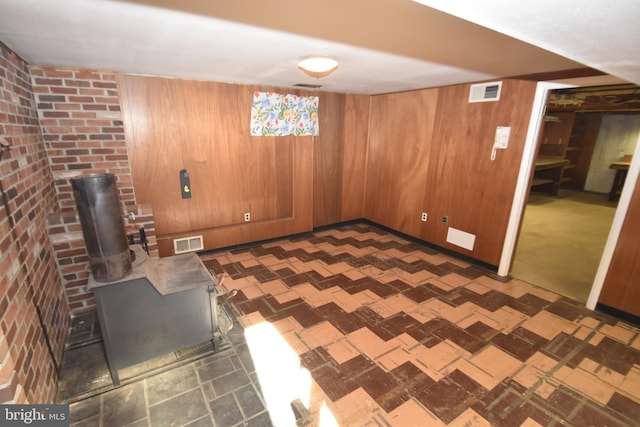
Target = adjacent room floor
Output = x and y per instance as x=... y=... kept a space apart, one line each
x=355 y=326
x=562 y=240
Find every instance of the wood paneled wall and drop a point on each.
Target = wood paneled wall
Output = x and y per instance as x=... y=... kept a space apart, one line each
x=340 y=158
x=387 y=158
x=400 y=138
x=429 y=151
x=203 y=127
x=473 y=191
x=621 y=288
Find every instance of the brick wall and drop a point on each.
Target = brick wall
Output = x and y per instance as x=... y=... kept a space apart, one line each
x=80 y=117
x=32 y=303
x=82 y=126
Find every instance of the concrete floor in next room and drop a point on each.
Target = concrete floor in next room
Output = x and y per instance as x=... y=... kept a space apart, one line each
x=562 y=240
x=356 y=326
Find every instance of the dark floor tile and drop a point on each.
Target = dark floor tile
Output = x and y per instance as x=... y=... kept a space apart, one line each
x=215 y=369
x=357 y=365
x=383 y=290
x=497 y=404
x=530 y=304
x=84 y=322
x=399 y=285
x=265 y=275
x=398 y=324
x=259 y=304
x=232 y=270
x=617 y=364
x=520 y=347
x=87 y=422
x=205 y=421
x=284 y=272
x=171 y=383
x=424 y=332
x=340 y=319
x=296 y=279
x=140 y=423
x=568 y=309
x=226 y=412
x=124 y=405
x=332 y=382
x=482 y=331
x=450 y=267
x=85 y=409
x=589 y=415
x=446 y=399
x=369 y=317
x=616 y=356
x=412 y=378
x=249 y=400
x=561 y=346
x=83 y=369
x=469 y=385
x=459 y=336
x=493 y=300
x=357 y=262
x=209 y=392
x=303 y=314
x=179 y=410
x=563 y=402
x=314 y=358
x=244 y=355
x=383 y=388
x=236 y=334
x=344 y=256
x=336 y=280
x=230 y=382
x=421 y=294
x=472 y=272
x=625 y=406
x=519 y=414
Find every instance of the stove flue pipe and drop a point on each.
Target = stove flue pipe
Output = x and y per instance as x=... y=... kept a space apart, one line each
x=102 y=223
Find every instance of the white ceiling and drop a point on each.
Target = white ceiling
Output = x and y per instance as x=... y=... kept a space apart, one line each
x=602 y=35
x=382 y=45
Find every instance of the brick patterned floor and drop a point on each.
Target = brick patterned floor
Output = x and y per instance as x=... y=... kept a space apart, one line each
x=361 y=327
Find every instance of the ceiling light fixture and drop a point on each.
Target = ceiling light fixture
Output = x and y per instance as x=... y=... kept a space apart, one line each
x=318 y=66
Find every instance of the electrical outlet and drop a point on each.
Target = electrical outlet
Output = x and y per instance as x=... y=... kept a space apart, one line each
x=445 y=219
x=423 y=218
x=247 y=216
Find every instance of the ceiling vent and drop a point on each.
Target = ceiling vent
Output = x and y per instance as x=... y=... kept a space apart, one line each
x=307 y=86
x=187 y=244
x=485 y=92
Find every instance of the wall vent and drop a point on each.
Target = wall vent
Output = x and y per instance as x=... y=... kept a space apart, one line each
x=187 y=244
x=461 y=238
x=307 y=85
x=485 y=92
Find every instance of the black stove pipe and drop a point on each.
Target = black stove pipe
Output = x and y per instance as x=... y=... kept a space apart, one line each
x=102 y=223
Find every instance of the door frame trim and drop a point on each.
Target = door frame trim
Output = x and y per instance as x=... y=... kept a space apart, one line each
x=522 y=189
x=618 y=220
x=524 y=176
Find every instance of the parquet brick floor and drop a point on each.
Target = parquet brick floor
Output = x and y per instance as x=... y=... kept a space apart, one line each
x=377 y=330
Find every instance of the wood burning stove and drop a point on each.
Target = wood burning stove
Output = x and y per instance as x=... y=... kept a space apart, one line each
x=151 y=306
x=164 y=305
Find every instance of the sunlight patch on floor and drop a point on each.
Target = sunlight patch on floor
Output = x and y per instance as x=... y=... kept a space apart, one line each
x=282 y=378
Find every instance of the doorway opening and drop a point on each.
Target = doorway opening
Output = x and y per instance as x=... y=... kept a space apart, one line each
x=588 y=136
